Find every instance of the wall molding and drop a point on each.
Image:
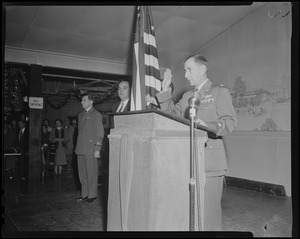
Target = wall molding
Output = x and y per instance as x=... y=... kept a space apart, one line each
x=268 y=188
x=261 y=133
x=43 y=58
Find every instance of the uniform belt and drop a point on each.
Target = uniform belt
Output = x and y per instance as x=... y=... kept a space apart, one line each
x=218 y=137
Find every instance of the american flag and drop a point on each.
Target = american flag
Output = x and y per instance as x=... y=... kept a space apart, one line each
x=145 y=73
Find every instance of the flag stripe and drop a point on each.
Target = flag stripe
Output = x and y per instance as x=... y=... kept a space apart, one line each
x=151 y=81
x=152 y=71
x=151 y=61
x=151 y=51
x=149 y=40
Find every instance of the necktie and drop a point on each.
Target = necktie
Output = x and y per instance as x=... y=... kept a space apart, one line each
x=121 y=106
x=197 y=93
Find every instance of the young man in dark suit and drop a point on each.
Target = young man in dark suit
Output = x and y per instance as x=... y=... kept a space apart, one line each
x=89 y=143
x=22 y=148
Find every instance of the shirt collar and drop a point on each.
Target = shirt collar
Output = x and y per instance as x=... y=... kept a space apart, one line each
x=125 y=101
x=201 y=85
x=86 y=110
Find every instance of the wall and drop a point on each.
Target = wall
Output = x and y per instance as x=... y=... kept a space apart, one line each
x=260 y=156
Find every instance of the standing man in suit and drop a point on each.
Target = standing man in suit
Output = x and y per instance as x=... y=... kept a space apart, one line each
x=22 y=148
x=89 y=143
x=216 y=112
x=124 y=95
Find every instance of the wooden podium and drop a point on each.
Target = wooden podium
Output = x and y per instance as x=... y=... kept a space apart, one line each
x=149 y=171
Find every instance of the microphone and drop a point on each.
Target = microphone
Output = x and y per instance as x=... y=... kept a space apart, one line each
x=193 y=102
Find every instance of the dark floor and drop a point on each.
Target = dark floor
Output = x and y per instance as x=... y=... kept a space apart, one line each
x=54 y=209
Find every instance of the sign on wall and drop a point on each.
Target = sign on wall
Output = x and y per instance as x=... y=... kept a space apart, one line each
x=36 y=102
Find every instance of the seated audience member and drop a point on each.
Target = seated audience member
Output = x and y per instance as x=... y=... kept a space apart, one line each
x=22 y=148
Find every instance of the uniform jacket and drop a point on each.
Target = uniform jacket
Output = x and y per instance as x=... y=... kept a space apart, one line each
x=90 y=132
x=215 y=106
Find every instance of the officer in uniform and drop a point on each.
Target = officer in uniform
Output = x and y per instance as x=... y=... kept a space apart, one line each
x=89 y=143
x=216 y=112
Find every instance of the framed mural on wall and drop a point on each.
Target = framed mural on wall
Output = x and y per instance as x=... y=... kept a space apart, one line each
x=264 y=108
x=259 y=60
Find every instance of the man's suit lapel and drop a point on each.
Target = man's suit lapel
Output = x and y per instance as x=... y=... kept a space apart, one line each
x=116 y=106
x=127 y=107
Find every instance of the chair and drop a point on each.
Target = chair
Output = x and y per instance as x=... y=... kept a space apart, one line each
x=48 y=158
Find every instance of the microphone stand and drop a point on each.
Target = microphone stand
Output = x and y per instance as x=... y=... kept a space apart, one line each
x=193 y=101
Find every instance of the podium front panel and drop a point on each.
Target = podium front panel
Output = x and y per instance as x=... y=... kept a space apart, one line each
x=149 y=175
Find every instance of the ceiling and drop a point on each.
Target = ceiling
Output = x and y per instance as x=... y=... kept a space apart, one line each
x=106 y=33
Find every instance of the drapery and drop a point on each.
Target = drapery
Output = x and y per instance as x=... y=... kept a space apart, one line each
x=149 y=173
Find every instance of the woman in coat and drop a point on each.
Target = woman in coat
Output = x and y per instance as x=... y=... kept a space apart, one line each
x=60 y=138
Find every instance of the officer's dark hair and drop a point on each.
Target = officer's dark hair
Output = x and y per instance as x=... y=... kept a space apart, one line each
x=125 y=81
x=89 y=95
x=199 y=59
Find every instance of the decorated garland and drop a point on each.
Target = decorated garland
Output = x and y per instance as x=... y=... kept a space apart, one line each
x=16 y=95
x=15 y=91
x=76 y=93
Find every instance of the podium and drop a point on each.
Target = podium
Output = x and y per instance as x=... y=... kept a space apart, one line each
x=149 y=171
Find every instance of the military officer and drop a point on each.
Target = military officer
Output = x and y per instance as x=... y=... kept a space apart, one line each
x=89 y=143
x=216 y=112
